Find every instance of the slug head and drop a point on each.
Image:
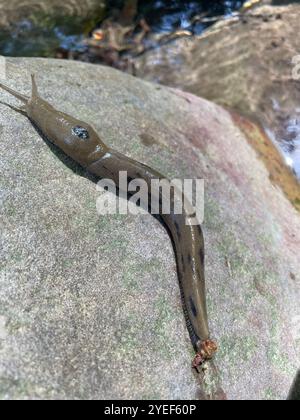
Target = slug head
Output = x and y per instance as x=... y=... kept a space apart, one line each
x=75 y=138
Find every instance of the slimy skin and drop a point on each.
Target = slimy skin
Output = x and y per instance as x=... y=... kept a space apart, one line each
x=80 y=141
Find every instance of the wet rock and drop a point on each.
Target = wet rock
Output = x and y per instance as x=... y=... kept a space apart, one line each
x=90 y=305
x=249 y=63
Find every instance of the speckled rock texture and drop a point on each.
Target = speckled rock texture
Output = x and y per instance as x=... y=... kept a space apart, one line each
x=90 y=305
x=249 y=63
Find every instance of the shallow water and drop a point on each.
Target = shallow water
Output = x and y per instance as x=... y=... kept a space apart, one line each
x=61 y=33
x=288 y=141
x=167 y=16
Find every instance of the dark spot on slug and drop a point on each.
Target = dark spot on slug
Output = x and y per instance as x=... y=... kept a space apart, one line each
x=109 y=172
x=182 y=262
x=177 y=229
x=80 y=132
x=201 y=253
x=189 y=258
x=193 y=307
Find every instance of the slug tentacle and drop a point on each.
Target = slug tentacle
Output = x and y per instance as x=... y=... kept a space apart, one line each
x=80 y=141
x=17 y=95
x=34 y=89
x=25 y=99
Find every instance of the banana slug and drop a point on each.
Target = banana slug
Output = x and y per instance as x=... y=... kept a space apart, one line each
x=79 y=141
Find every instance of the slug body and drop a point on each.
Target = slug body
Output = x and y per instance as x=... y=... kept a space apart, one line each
x=80 y=141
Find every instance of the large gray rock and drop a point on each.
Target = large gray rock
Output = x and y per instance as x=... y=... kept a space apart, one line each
x=245 y=63
x=89 y=305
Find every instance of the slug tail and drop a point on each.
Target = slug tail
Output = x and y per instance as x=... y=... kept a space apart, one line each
x=17 y=95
